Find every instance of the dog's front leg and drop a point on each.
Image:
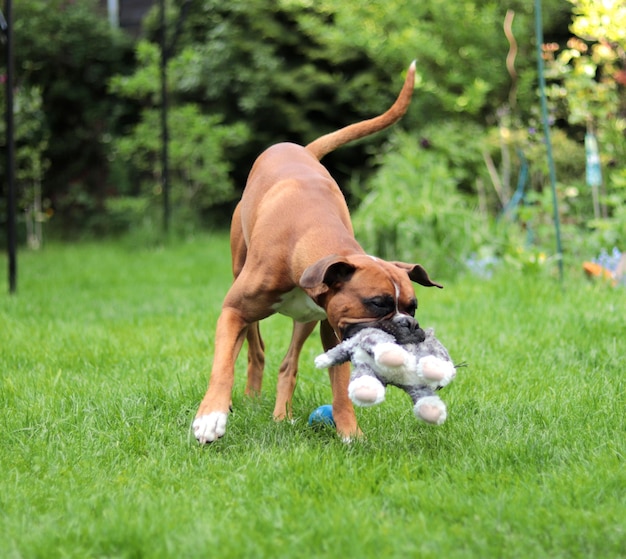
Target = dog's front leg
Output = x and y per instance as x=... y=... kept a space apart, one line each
x=343 y=410
x=210 y=421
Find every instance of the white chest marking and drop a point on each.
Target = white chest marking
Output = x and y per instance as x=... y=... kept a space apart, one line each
x=299 y=306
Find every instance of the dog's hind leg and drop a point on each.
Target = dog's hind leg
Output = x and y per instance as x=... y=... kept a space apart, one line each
x=256 y=347
x=256 y=360
x=289 y=369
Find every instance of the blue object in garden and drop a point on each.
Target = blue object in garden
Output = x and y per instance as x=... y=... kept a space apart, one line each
x=322 y=416
x=592 y=155
x=518 y=195
x=593 y=173
x=608 y=261
x=608 y=266
x=482 y=267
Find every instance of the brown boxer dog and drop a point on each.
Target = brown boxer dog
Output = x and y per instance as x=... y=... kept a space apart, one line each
x=294 y=252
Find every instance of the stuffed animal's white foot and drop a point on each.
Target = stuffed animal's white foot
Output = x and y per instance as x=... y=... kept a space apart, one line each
x=209 y=428
x=366 y=391
x=431 y=409
x=323 y=361
x=389 y=354
x=435 y=371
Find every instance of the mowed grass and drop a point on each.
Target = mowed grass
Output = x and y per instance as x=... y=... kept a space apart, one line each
x=105 y=353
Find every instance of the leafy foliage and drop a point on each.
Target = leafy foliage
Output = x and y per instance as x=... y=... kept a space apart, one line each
x=600 y=20
x=460 y=49
x=68 y=50
x=245 y=74
x=588 y=80
x=292 y=70
x=415 y=210
x=586 y=93
x=270 y=66
x=200 y=171
x=31 y=140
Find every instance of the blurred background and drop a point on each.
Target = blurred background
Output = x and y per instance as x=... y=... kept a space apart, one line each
x=463 y=178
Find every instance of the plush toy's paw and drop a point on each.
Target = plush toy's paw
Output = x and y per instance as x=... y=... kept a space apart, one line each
x=436 y=372
x=390 y=354
x=431 y=410
x=366 y=391
x=323 y=361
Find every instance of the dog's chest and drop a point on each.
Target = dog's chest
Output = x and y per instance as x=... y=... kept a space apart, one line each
x=299 y=306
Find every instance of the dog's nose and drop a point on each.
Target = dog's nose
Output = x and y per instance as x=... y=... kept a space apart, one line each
x=405 y=321
x=406 y=329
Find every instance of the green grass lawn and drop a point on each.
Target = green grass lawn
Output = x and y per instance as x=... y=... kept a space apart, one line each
x=104 y=356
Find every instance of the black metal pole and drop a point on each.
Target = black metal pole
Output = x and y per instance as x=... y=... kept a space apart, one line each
x=165 y=186
x=10 y=139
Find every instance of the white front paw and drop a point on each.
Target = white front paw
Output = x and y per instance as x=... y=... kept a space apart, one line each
x=435 y=371
x=366 y=391
x=431 y=409
x=209 y=428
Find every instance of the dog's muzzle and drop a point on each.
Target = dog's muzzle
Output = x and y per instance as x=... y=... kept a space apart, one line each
x=404 y=328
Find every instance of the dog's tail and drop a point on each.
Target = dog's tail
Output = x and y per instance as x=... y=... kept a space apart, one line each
x=329 y=142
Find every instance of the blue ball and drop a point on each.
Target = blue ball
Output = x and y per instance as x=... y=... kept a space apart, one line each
x=322 y=415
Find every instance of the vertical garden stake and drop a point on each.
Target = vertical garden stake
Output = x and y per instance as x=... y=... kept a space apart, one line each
x=165 y=184
x=546 y=131
x=7 y=29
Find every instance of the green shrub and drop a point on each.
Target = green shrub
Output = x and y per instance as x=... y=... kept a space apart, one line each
x=68 y=51
x=199 y=169
x=415 y=211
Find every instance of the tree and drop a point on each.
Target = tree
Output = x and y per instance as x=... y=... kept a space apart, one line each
x=293 y=70
x=252 y=73
x=198 y=144
x=266 y=64
x=68 y=51
x=31 y=137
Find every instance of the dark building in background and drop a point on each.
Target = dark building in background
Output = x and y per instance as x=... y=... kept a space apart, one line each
x=127 y=14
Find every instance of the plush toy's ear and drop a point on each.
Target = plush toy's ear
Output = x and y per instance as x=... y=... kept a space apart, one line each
x=325 y=273
x=418 y=274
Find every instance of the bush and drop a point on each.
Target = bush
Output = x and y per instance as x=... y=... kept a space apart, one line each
x=199 y=149
x=68 y=51
x=415 y=211
x=31 y=138
x=199 y=169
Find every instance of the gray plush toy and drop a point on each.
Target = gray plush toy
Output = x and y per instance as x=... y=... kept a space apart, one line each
x=419 y=368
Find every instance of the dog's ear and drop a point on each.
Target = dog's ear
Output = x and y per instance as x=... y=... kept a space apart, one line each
x=418 y=274
x=321 y=276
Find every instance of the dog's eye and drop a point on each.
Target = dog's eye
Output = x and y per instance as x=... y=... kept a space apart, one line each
x=411 y=307
x=381 y=305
